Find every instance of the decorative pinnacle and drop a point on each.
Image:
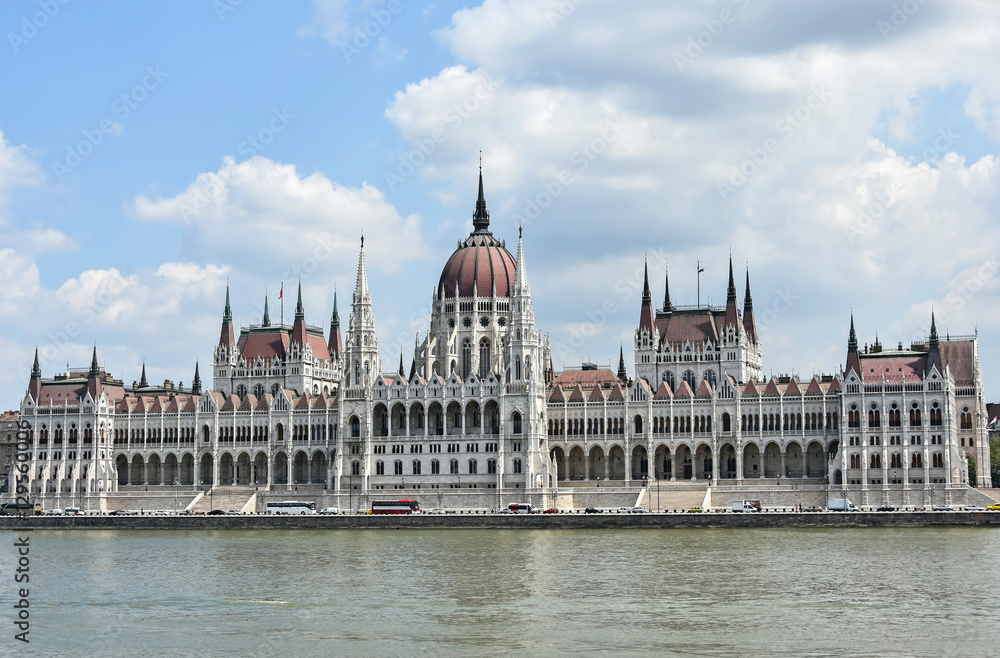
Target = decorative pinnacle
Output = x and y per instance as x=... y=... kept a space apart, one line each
x=481 y=218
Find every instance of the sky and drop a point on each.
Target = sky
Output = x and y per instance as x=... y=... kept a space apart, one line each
x=845 y=151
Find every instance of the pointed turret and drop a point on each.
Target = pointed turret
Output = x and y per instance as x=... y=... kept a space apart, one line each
x=622 y=375
x=481 y=218
x=35 y=383
x=336 y=345
x=521 y=285
x=227 y=337
x=196 y=382
x=94 y=377
x=853 y=358
x=667 y=306
x=646 y=312
x=142 y=379
x=266 y=321
x=933 y=347
x=299 y=326
x=748 y=321
x=732 y=314
x=361 y=347
x=401 y=371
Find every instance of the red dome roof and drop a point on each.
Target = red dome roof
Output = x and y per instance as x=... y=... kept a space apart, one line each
x=480 y=263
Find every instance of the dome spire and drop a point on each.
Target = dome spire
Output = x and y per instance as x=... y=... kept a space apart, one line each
x=481 y=218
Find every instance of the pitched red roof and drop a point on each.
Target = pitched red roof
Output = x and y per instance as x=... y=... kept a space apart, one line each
x=576 y=395
x=684 y=390
x=588 y=379
x=793 y=388
x=834 y=386
x=705 y=390
x=959 y=356
x=893 y=366
x=616 y=393
x=771 y=388
x=557 y=394
x=680 y=326
x=596 y=395
x=663 y=392
x=814 y=388
x=750 y=388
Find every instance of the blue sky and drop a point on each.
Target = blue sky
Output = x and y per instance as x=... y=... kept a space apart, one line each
x=151 y=151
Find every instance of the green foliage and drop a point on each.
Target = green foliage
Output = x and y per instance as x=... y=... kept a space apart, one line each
x=995 y=458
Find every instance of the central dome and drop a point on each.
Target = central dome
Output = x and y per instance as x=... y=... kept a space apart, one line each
x=481 y=262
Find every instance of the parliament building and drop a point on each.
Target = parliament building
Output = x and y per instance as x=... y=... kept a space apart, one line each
x=481 y=418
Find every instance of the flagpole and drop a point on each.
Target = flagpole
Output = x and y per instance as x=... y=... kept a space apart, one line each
x=281 y=296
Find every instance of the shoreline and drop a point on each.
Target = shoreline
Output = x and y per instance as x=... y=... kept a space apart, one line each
x=511 y=521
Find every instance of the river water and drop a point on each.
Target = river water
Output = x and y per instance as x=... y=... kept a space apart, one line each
x=808 y=592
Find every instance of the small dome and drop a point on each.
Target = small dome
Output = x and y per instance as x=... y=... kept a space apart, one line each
x=481 y=262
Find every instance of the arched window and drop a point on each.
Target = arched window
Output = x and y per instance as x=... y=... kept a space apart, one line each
x=435 y=467
x=875 y=461
x=241 y=391
x=709 y=377
x=669 y=378
x=355 y=468
x=517 y=367
x=690 y=379
x=874 y=417
x=914 y=415
x=638 y=424
x=355 y=427
x=485 y=361
x=274 y=389
x=517 y=465
x=466 y=358
x=258 y=391
x=894 y=416
x=415 y=467
x=473 y=467
x=935 y=415
x=516 y=421
x=453 y=467
x=916 y=460
x=855 y=461
x=896 y=460
x=727 y=422
x=379 y=468
x=853 y=416
x=937 y=460
x=397 y=467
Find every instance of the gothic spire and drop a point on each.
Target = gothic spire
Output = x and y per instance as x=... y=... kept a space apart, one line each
x=853 y=358
x=266 y=322
x=748 y=321
x=335 y=345
x=227 y=337
x=646 y=311
x=622 y=375
x=401 y=371
x=94 y=369
x=521 y=273
x=142 y=379
x=934 y=334
x=36 y=370
x=299 y=312
x=361 y=293
x=227 y=315
x=481 y=218
x=667 y=306
x=732 y=313
x=852 y=339
x=196 y=383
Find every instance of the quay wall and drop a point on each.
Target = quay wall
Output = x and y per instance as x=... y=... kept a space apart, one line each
x=510 y=521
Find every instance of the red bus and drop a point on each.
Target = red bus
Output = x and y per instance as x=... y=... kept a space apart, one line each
x=395 y=507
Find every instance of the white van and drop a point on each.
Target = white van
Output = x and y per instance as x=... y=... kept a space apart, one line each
x=73 y=511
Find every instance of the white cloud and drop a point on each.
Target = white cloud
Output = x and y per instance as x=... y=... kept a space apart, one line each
x=17 y=169
x=263 y=217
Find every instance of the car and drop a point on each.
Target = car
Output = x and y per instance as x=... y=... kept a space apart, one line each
x=886 y=508
x=160 y=512
x=995 y=507
x=55 y=511
x=120 y=512
x=591 y=510
x=234 y=511
x=638 y=510
x=216 y=512
x=812 y=508
x=943 y=508
x=438 y=510
x=695 y=510
x=974 y=508
x=72 y=511
x=186 y=512
x=551 y=510
x=330 y=510
x=624 y=510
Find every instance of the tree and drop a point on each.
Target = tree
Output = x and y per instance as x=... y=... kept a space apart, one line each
x=995 y=458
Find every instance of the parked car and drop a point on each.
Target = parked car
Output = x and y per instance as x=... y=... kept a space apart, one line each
x=551 y=510
x=216 y=512
x=995 y=507
x=944 y=508
x=160 y=512
x=638 y=510
x=624 y=510
x=186 y=512
x=233 y=511
x=886 y=508
x=695 y=510
x=591 y=510
x=438 y=510
x=330 y=510
x=72 y=511
x=812 y=508
x=974 y=508
x=55 y=511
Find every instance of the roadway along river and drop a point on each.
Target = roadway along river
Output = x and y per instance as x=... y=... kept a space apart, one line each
x=777 y=592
